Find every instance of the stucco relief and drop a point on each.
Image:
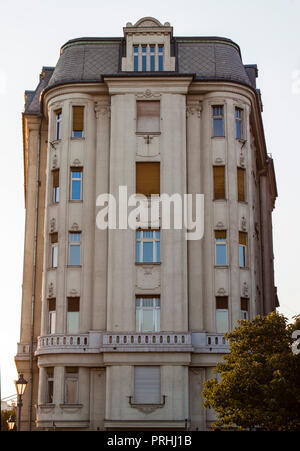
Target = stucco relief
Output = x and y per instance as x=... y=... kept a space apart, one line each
x=147 y=146
x=148 y=277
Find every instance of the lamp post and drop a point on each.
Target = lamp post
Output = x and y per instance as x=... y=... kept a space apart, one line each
x=20 y=386
x=11 y=423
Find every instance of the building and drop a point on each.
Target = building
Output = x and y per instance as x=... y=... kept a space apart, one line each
x=120 y=328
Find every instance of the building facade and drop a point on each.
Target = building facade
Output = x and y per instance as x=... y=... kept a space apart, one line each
x=121 y=327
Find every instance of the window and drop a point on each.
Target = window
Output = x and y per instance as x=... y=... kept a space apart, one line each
x=244 y=309
x=148 y=314
x=78 y=118
x=148 y=57
x=148 y=178
x=241 y=184
x=238 y=123
x=148 y=116
x=242 y=249
x=76 y=184
x=160 y=57
x=51 y=316
x=50 y=385
x=219 y=182
x=218 y=120
x=221 y=247
x=58 y=123
x=147 y=385
x=147 y=246
x=55 y=185
x=71 y=385
x=222 y=314
x=54 y=249
x=73 y=315
x=74 y=248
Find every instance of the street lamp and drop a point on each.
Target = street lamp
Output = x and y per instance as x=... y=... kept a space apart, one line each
x=11 y=423
x=20 y=386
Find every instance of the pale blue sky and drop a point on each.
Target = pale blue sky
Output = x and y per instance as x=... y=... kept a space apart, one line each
x=32 y=33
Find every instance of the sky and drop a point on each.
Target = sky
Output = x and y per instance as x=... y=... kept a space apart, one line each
x=31 y=34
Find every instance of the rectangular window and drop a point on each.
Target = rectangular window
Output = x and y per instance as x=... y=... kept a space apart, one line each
x=58 y=124
x=242 y=249
x=221 y=247
x=160 y=58
x=147 y=246
x=135 y=58
x=76 y=184
x=148 y=178
x=50 y=385
x=147 y=385
x=218 y=120
x=71 y=385
x=148 y=116
x=244 y=308
x=51 y=316
x=239 y=123
x=78 y=119
x=54 y=249
x=219 y=182
x=148 y=314
x=74 y=248
x=152 y=58
x=222 y=320
x=144 y=58
x=55 y=186
x=73 y=315
x=241 y=184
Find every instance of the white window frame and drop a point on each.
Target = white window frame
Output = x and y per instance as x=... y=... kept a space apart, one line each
x=144 y=237
x=73 y=244
x=58 y=125
x=218 y=117
x=54 y=255
x=140 y=308
x=221 y=242
x=75 y=179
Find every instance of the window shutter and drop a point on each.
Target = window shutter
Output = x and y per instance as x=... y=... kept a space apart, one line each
x=244 y=304
x=241 y=184
x=52 y=305
x=148 y=116
x=220 y=234
x=73 y=304
x=243 y=238
x=55 y=175
x=54 y=237
x=222 y=302
x=78 y=118
x=147 y=385
x=219 y=182
x=147 y=178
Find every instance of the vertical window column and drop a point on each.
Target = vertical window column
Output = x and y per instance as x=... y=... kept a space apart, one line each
x=221 y=247
x=55 y=186
x=241 y=184
x=78 y=122
x=222 y=320
x=74 y=248
x=76 y=184
x=58 y=124
x=219 y=182
x=218 y=120
x=243 y=238
x=238 y=123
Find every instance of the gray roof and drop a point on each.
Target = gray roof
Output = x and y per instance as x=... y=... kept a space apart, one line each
x=89 y=59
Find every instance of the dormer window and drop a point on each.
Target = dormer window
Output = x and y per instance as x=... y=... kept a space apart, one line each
x=148 y=46
x=148 y=58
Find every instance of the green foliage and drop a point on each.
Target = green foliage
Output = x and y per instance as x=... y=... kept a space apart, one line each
x=259 y=379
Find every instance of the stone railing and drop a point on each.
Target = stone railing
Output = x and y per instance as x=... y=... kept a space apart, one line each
x=97 y=342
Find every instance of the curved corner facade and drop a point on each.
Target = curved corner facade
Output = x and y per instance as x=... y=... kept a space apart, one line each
x=120 y=328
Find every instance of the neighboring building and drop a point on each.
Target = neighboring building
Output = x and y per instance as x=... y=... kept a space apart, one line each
x=120 y=328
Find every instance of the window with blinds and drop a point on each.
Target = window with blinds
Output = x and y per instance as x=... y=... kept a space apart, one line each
x=71 y=385
x=58 y=123
x=244 y=308
x=147 y=385
x=219 y=182
x=222 y=320
x=221 y=247
x=54 y=249
x=78 y=122
x=148 y=178
x=55 y=185
x=51 y=315
x=243 y=238
x=73 y=315
x=148 y=116
x=241 y=184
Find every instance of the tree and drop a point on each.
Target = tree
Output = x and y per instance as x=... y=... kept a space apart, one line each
x=259 y=383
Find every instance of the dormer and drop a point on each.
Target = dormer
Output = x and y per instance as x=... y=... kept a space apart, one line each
x=148 y=46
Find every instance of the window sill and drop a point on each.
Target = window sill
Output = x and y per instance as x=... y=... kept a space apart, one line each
x=148 y=133
x=74 y=266
x=244 y=267
x=219 y=200
x=76 y=201
x=147 y=263
x=214 y=137
x=243 y=202
x=141 y=405
x=51 y=269
x=46 y=406
x=77 y=138
x=70 y=406
x=222 y=266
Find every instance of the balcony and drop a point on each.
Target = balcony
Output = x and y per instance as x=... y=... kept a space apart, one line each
x=98 y=342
